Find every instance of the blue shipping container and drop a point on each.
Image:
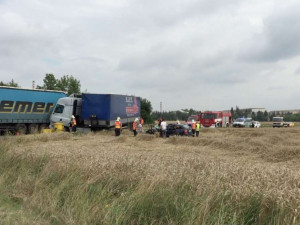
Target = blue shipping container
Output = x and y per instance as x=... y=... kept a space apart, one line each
x=109 y=107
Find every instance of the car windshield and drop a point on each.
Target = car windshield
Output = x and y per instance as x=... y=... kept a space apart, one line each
x=239 y=120
x=277 y=119
x=248 y=120
x=208 y=116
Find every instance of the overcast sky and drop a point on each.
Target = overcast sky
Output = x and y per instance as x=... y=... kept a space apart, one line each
x=200 y=54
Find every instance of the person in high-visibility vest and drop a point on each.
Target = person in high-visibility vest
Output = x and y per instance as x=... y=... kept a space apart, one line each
x=140 y=125
x=135 y=126
x=197 y=128
x=118 y=126
x=73 y=124
x=193 y=127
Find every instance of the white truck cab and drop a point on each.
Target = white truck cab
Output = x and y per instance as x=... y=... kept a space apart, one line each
x=64 y=109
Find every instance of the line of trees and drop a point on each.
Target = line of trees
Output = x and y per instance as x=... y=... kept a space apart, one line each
x=260 y=116
x=263 y=116
x=174 y=115
x=12 y=83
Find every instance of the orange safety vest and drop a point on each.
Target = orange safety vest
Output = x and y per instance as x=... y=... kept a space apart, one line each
x=118 y=125
x=194 y=126
x=74 y=122
x=133 y=126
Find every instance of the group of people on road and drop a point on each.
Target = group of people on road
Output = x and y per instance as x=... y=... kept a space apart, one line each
x=136 y=126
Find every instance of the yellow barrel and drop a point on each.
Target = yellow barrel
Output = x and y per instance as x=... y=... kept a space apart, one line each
x=58 y=127
x=47 y=130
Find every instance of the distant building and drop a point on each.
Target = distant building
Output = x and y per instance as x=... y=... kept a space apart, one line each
x=254 y=110
x=284 y=112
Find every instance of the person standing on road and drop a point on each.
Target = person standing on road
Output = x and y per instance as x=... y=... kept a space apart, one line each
x=118 y=126
x=197 y=128
x=73 y=124
x=193 y=127
x=163 y=126
x=141 y=125
x=134 y=126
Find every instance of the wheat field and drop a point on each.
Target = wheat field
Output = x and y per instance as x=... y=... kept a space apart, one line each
x=226 y=176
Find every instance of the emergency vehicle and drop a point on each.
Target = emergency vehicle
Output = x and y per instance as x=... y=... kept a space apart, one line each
x=215 y=119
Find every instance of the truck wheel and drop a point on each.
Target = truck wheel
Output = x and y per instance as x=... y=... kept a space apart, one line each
x=43 y=126
x=67 y=129
x=21 y=128
x=33 y=128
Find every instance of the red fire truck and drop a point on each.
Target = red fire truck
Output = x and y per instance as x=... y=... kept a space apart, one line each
x=215 y=119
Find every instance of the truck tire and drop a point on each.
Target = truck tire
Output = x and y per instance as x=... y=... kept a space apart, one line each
x=21 y=128
x=43 y=126
x=33 y=128
x=67 y=129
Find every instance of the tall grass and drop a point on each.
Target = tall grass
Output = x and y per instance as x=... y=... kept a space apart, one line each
x=124 y=186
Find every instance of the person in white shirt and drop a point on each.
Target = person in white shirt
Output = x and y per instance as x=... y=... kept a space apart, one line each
x=163 y=126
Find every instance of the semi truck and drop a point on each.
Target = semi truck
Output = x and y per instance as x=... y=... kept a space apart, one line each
x=26 y=110
x=215 y=119
x=96 y=111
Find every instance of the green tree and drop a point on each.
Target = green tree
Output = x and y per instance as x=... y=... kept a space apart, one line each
x=146 y=110
x=50 y=82
x=238 y=112
x=253 y=116
x=232 y=112
x=69 y=84
x=66 y=83
x=9 y=84
x=260 y=116
x=266 y=116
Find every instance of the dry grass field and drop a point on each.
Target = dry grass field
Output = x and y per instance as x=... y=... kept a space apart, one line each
x=226 y=176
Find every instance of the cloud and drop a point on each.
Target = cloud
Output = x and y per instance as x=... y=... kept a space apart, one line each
x=192 y=54
x=280 y=35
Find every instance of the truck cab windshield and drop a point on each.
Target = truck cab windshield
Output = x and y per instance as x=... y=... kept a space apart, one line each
x=277 y=119
x=208 y=116
x=59 y=109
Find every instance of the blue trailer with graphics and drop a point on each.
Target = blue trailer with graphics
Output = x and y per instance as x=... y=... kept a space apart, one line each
x=96 y=110
x=26 y=110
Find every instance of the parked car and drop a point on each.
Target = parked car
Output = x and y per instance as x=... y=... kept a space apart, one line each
x=178 y=130
x=248 y=122
x=153 y=129
x=240 y=122
x=289 y=124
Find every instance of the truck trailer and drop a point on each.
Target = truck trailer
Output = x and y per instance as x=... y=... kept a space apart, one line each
x=96 y=111
x=26 y=110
